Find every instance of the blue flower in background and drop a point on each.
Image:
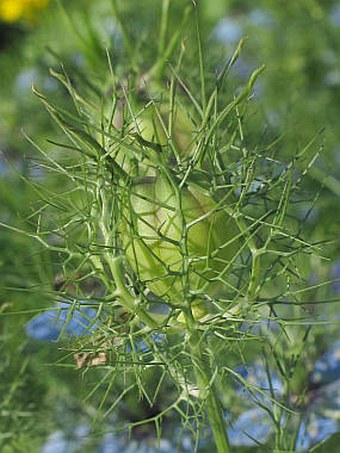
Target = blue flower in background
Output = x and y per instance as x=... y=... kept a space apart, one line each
x=335 y=15
x=261 y=18
x=315 y=430
x=64 y=319
x=252 y=424
x=114 y=444
x=142 y=347
x=4 y=170
x=31 y=76
x=180 y=442
x=327 y=367
x=228 y=30
x=58 y=442
x=335 y=276
x=321 y=418
x=9 y=165
x=260 y=382
x=323 y=412
x=110 y=444
x=25 y=79
x=325 y=401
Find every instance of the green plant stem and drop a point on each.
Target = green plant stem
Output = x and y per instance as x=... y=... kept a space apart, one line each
x=126 y=38
x=163 y=27
x=158 y=68
x=206 y=386
x=115 y=263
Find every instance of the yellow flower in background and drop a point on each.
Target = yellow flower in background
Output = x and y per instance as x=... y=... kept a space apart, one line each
x=16 y=10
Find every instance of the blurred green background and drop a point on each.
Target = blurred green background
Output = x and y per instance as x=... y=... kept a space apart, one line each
x=296 y=100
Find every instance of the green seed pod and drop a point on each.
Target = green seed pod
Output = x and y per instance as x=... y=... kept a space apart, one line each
x=175 y=239
x=151 y=125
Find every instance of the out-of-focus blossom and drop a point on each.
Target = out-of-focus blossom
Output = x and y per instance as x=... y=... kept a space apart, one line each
x=25 y=79
x=261 y=18
x=332 y=78
x=228 y=30
x=252 y=425
x=4 y=169
x=59 y=442
x=325 y=401
x=31 y=76
x=255 y=380
x=327 y=367
x=143 y=347
x=315 y=430
x=62 y=321
x=113 y=444
x=17 y=10
x=335 y=276
x=334 y=15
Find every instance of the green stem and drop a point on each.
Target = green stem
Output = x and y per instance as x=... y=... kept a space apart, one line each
x=158 y=68
x=163 y=27
x=126 y=38
x=206 y=387
x=255 y=274
x=217 y=423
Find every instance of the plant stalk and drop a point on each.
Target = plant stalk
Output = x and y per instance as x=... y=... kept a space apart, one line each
x=206 y=387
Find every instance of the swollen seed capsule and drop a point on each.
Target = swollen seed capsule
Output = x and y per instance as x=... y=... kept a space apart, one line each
x=175 y=239
x=152 y=124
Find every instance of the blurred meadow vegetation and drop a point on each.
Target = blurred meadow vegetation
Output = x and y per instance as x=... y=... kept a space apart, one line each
x=294 y=106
